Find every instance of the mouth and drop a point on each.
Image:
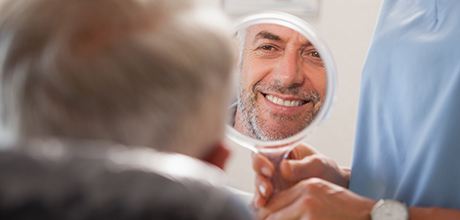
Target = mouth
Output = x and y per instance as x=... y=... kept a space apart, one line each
x=285 y=101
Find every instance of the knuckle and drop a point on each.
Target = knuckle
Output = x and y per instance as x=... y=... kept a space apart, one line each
x=317 y=165
x=308 y=186
x=317 y=160
x=313 y=184
x=307 y=202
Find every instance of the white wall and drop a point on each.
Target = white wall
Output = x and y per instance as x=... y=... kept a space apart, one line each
x=346 y=27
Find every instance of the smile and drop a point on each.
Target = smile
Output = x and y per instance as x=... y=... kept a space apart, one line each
x=284 y=102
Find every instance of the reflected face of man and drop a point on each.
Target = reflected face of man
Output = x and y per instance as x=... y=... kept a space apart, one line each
x=283 y=83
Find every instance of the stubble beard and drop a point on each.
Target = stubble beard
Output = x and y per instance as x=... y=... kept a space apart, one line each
x=254 y=124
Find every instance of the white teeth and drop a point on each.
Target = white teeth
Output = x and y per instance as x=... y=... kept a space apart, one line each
x=283 y=102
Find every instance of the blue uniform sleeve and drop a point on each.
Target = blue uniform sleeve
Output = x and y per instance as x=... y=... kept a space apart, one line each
x=408 y=141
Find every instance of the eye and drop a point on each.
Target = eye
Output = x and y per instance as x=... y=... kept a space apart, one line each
x=315 y=54
x=267 y=48
x=311 y=53
x=268 y=51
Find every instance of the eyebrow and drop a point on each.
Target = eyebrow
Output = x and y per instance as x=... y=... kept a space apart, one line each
x=267 y=35
x=271 y=36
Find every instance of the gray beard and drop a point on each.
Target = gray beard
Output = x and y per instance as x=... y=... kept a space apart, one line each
x=251 y=122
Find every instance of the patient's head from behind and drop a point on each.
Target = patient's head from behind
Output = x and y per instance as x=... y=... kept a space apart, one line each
x=149 y=73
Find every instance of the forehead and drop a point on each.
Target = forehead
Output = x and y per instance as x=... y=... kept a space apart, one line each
x=274 y=32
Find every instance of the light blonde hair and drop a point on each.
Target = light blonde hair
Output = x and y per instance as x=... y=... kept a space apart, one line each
x=135 y=72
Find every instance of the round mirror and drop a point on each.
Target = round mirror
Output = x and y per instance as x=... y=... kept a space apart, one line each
x=286 y=81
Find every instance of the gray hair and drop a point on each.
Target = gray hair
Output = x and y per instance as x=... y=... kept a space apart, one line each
x=135 y=72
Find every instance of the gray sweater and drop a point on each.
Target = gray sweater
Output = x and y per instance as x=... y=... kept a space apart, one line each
x=87 y=188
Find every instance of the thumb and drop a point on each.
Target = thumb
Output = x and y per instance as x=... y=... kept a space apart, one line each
x=297 y=170
x=300 y=151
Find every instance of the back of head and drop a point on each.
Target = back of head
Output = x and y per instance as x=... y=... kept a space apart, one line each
x=135 y=72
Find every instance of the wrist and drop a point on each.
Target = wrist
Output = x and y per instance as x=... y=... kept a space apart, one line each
x=366 y=208
x=389 y=210
x=417 y=213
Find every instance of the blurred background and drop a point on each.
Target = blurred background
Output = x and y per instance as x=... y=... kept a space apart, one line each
x=346 y=27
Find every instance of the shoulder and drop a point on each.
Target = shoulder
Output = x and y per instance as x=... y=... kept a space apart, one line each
x=81 y=188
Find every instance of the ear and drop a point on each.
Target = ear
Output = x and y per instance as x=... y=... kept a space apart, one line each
x=217 y=156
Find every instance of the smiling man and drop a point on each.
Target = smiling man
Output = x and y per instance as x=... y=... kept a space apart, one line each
x=282 y=83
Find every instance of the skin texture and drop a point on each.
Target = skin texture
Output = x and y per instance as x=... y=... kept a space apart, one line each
x=303 y=163
x=320 y=191
x=316 y=199
x=279 y=62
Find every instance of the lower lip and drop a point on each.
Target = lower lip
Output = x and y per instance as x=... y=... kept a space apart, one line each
x=287 y=110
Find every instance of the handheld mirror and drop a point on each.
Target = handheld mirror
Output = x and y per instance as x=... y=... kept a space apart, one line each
x=286 y=83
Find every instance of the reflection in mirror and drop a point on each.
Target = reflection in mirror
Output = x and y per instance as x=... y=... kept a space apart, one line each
x=283 y=82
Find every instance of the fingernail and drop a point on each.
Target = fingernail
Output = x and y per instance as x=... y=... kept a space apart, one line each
x=263 y=190
x=266 y=171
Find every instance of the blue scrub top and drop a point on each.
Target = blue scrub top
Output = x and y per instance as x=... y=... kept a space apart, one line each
x=408 y=134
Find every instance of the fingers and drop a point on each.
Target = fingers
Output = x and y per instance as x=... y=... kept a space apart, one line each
x=262 y=166
x=281 y=200
x=297 y=170
x=298 y=166
x=301 y=151
x=264 y=170
x=297 y=202
x=295 y=211
x=264 y=190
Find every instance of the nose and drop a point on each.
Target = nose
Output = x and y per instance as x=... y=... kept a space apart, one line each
x=288 y=71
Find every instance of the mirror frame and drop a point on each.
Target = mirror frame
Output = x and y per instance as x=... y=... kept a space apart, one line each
x=301 y=26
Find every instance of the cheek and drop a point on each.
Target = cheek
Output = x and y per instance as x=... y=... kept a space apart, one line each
x=322 y=82
x=254 y=70
x=318 y=78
